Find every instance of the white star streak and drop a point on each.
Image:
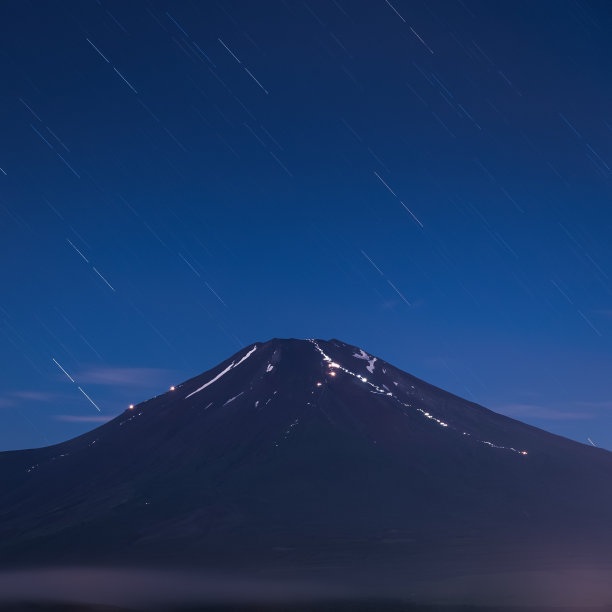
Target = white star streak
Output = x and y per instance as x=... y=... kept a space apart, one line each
x=64 y=371
x=245 y=68
x=368 y=258
x=30 y=110
x=115 y=69
x=103 y=279
x=251 y=75
x=74 y=381
x=385 y=184
x=561 y=291
x=229 y=51
x=194 y=270
x=43 y=138
x=395 y=11
x=402 y=203
x=411 y=28
x=588 y=322
x=77 y=250
x=89 y=398
x=175 y=22
x=69 y=166
x=384 y=276
x=280 y=163
x=57 y=138
x=398 y=292
x=215 y=293
x=424 y=43
x=98 y=50
x=125 y=80
x=411 y=213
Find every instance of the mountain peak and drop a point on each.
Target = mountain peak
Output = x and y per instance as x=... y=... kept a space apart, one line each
x=291 y=445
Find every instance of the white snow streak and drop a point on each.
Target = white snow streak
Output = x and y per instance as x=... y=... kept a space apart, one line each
x=231 y=399
x=215 y=379
x=218 y=376
x=247 y=355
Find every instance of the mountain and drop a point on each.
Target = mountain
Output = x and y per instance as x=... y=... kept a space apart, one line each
x=310 y=458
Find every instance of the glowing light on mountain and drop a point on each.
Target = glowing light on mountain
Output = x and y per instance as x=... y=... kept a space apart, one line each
x=378 y=390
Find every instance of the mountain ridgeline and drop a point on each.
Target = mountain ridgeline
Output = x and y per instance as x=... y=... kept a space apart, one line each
x=306 y=454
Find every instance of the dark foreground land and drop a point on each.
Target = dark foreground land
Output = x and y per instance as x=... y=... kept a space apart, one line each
x=315 y=476
x=348 y=606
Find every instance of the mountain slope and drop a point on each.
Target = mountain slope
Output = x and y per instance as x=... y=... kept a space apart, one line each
x=312 y=454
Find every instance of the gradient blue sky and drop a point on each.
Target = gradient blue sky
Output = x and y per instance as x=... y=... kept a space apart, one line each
x=180 y=179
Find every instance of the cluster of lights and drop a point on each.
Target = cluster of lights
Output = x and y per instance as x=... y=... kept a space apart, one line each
x=333 y=365
x=429 y=416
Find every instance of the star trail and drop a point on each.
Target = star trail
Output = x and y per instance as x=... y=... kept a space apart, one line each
x=428 y=180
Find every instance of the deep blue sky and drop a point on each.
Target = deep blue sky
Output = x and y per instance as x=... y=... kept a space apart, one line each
x=222 y=166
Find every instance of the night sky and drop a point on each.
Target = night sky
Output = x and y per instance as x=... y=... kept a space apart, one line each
x=427 y=180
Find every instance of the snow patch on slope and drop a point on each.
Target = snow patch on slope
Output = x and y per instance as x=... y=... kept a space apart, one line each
x=218 y=376
x=371 y=360
x=231 y=399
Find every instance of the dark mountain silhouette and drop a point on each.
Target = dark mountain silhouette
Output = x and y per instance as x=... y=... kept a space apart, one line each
x=312 y=457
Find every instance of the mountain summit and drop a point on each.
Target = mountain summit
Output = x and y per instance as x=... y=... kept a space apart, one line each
x=308 y=454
